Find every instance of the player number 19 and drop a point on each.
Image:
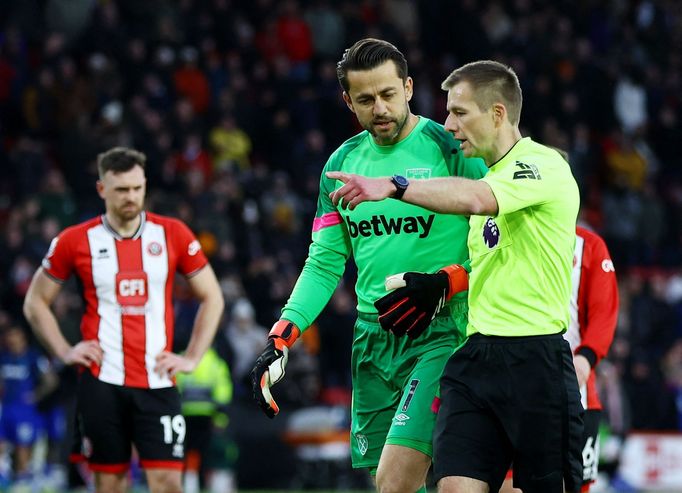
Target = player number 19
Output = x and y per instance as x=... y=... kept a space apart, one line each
x=173 y=424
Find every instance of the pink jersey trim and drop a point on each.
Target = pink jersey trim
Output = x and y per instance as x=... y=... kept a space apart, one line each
x=326 y=220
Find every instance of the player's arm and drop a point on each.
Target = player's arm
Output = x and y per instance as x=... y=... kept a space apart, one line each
x=321 y=274
x=206 y=289
x=327 y=256
x=41 y=293
x=452 y=195
x=601 y=304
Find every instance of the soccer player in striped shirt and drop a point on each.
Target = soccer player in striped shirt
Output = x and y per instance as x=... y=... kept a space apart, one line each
x=125 y=261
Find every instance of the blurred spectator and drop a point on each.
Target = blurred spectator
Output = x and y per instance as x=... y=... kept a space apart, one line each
x=626 y=166
x=24 y=377
x=245 y=338
x=230 y=144
x=630 y=101
x=193 y=158
x=69 y=17
x=56 y=199
x=672 y=372
x=622 y=210
x=295 y=38
x=191 y=82
x=28 y=162
x=326 y=29
x=281 y=211
x=205 y=394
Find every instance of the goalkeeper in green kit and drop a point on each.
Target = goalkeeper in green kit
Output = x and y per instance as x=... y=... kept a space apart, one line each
x=395 y=380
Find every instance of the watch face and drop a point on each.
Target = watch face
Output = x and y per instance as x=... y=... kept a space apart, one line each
x=401 y=181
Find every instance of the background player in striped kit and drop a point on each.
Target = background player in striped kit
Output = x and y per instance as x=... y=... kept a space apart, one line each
x=126 y=260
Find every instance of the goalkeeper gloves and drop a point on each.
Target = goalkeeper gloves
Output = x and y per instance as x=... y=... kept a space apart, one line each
x=270 y=365
x=417 y=298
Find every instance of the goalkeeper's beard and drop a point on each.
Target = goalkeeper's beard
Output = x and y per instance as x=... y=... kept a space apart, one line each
x=384 y=139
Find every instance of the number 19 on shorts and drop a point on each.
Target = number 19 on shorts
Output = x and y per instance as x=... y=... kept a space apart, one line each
x=173 y=426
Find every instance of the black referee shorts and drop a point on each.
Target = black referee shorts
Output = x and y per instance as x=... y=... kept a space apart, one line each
x=511 y=399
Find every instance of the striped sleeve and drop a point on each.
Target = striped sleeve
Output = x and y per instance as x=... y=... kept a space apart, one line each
x=58 y=262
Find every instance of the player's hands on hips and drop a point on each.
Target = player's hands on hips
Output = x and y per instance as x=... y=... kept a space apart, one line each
x=582 y=369
x=84 y=353
x=170 y=364
x=270 y=365
x=357 y=189
x=416 y=299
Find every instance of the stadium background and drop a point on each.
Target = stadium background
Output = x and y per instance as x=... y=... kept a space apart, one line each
x=237 y=107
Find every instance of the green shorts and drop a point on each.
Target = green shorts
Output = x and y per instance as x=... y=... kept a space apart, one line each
x=395 y=383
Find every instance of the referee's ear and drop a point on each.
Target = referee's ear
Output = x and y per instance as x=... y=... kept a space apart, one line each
x=500 y=115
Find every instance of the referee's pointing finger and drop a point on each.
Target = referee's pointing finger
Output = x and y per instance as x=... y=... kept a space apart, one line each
x=338 y=175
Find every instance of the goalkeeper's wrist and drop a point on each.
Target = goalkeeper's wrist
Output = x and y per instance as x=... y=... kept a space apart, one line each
x=284 y=333
x=458 y=279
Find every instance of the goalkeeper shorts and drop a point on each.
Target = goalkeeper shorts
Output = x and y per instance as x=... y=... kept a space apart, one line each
x=396 y=384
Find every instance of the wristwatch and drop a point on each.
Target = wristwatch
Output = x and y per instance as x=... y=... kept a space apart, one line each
x=401 y=184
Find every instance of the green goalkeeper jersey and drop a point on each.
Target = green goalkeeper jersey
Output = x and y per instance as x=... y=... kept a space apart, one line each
x=383 y=237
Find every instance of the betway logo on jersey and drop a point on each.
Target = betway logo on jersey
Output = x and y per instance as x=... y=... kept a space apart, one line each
x=380 y=225
x=131 y=288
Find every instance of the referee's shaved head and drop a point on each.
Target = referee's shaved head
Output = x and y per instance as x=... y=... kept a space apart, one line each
x=491 y=82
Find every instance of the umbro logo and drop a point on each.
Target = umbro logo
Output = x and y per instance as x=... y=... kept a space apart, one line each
x=529 y=171
x=102 y=253
x=401 y=418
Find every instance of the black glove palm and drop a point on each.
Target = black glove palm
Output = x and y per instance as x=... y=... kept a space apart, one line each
x=411 y=308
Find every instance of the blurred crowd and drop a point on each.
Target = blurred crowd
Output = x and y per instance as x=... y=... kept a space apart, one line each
x=237 y=107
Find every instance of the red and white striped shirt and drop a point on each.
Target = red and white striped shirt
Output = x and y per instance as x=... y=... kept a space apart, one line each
x=127 y=285
x=594 y=304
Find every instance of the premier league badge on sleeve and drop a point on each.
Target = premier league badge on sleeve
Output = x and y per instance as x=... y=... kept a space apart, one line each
x=491 y=233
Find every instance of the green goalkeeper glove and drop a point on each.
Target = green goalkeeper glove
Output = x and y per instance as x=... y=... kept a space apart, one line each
x=416 y=299
x=270 y=365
